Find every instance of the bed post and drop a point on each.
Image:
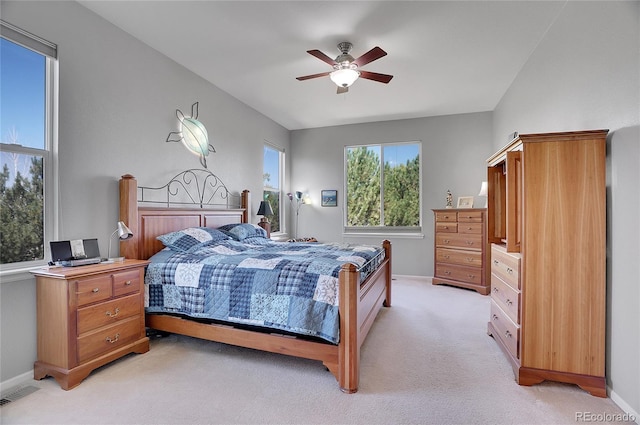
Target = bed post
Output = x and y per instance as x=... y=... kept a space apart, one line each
x=386 y=245
x=349 y=346
x=129 y=214
x=245 y=202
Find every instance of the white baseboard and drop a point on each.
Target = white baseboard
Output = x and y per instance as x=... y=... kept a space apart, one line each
x=633 y=415
x=16 y=381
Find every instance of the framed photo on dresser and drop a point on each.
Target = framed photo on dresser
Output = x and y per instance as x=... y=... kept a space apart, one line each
x=465 y=202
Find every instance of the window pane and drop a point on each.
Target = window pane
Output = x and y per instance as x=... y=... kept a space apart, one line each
x=363 y=186
x=401 y=185
x=271 y=183
x=23 y=108
x=21 y=215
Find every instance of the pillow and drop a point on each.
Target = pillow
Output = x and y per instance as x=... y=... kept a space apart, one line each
x=242 y=231
x=192 y=239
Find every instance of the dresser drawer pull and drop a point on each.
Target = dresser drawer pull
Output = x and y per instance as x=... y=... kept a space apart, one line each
x=447 y=272
x=496 y=290
x=446 y=256
x=111 y=341
x=446 y=227
x=495 y=262
x=127 y=283
x=471 y=276
x=470 y=260
x=94 y=290
x=469 y=228
x=507 y=334
x=495 y=317
x=446 y=241
x=509 y=302
x=110 y=314
x=509 y=270
x=469 y=242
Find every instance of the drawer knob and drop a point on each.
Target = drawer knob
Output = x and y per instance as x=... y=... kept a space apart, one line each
x=110 y=314
x=446 y=227
x=509 y=270
x=469 y=228
x=471 y=276
x=447 y=272
x=469 y=242
x=469 y=259
x=446 y=256
x=495 y=317
x=127 y=283
x=495 y=262
x=507 y=334
x=495 y=290
x=111 y=341
x=94 y=290
x=447 y=241
x=509 y=302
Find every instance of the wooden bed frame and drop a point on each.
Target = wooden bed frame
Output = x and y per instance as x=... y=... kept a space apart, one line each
x=358 y=303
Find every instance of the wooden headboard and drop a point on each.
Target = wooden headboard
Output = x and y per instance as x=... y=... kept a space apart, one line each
x=147 y=223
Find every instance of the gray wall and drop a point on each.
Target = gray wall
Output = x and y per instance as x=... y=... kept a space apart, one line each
x=454 y=150
x=118 y=99
x=585 y=74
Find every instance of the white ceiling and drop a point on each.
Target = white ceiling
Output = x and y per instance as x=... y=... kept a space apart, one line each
x=447 y=57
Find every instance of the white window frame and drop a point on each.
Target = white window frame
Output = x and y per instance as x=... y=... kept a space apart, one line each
x=18 y=271
x=385 y=231
x=281 y=180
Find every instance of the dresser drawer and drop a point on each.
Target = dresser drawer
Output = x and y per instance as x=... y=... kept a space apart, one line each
x=505 y=265
x=460 y=257
x=102 y=314
x=106 y=339
x=462 y=273
x=508 y=332
x=450 y=216
x=470 y=216
x=126 y=282
x=471 y=228
x=458 y=240
x=446 y=227
x=506 y=297
x=93 y=289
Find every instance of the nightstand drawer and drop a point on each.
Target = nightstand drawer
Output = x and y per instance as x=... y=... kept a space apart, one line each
x=460 y=257
x=109 y=338
x=508 y=332
x=462 y=273
x=93 y=289
x=126 y=282
x=102 y=314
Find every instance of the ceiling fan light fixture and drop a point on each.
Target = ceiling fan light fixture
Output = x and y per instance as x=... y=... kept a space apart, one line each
x=344 y=77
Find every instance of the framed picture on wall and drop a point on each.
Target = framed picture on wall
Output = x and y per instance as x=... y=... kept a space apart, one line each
x=465 y=202
x=329 y=198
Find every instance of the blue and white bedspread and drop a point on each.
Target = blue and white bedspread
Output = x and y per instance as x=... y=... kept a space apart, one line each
x=278 y=285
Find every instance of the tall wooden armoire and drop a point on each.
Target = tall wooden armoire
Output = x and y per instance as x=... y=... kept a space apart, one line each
x=547 y=230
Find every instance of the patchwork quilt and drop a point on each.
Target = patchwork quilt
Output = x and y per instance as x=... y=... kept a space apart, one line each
x=278 y=285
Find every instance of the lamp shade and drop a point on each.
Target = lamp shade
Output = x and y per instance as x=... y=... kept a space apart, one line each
x=265 y=208
x=483 y=189
x=344 y=77
x=123 y=231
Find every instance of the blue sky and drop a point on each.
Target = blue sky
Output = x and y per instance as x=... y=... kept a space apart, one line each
x=22 y=101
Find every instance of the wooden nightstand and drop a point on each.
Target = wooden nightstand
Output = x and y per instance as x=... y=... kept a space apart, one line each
x=88 y=316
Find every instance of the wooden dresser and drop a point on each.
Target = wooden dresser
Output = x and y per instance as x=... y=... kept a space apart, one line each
x=547 y=227
x=460 y=248
x=88 y=316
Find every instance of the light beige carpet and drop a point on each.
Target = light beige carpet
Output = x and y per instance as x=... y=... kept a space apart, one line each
x=427 y=360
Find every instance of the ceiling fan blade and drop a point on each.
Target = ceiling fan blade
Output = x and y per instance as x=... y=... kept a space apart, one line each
x=342 y=90
x=370 y=56
x=381 y=78
x=308 y=77
x=322 y=57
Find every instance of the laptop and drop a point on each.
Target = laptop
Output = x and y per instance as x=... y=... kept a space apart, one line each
x=78 y=252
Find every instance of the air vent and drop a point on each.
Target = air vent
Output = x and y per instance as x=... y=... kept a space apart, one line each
x=17 y=394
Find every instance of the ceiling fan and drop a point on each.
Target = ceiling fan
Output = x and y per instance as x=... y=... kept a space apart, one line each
x=346 y=68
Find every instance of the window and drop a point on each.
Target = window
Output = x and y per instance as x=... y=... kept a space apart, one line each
x=383 y=187
x=28 y=77
x=273 y=177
